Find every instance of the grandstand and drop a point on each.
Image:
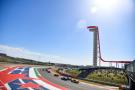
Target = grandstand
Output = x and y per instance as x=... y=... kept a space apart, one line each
x=130 y=70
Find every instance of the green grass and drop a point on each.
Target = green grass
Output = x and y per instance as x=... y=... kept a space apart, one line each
x=110 y=76
x=16 y=60
x=117 y=77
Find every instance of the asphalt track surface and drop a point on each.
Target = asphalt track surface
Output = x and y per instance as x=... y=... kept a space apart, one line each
x=68 y=84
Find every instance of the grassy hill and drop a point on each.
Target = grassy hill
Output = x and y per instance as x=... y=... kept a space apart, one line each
x=111 y=77
x=9 y=59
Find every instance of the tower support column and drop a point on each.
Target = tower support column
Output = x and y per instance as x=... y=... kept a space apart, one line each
x=95 y=48
x=94 y=29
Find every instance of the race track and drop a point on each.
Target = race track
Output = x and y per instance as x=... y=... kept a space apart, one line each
x=30 y=78
x=69 y=84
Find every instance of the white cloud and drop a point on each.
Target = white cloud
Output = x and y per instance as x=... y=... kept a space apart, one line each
x=24 y=53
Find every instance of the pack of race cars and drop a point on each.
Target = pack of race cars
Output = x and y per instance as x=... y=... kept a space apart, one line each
x=65 y=78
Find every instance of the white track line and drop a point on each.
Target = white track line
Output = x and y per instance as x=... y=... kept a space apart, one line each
x=40 y=82
x=7 y=86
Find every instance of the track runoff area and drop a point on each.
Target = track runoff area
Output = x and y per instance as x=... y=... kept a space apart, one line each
x=25 y=78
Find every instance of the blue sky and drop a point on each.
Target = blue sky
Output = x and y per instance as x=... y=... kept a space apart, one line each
x=58 y=28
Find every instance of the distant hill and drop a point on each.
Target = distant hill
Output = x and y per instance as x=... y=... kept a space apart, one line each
x=9 y=59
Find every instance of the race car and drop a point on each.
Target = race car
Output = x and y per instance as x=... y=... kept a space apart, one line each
x=65 y=78
x=47 y=70
x=74 y=81
x=56 y=75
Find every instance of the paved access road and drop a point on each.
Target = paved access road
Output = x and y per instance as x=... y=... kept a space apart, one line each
x=69 y=84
